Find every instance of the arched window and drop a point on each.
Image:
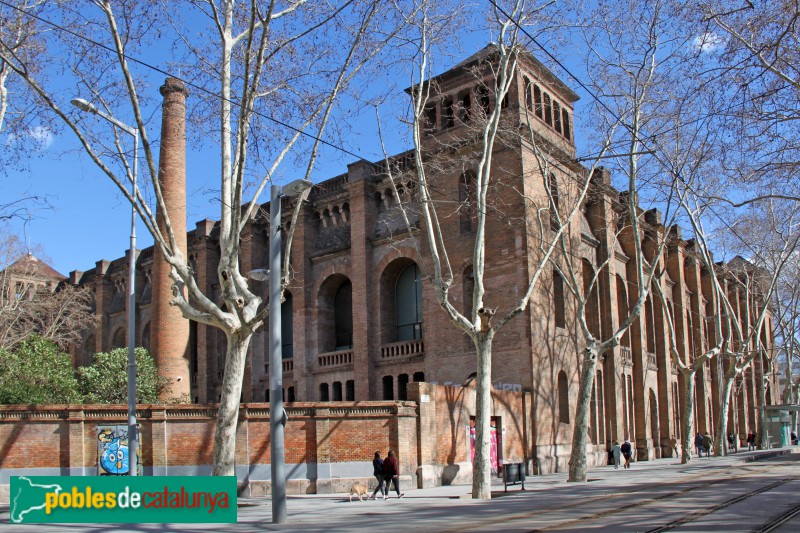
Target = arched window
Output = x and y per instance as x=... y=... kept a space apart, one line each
x=591 y=294
x=465 y=107
x=291 y=395
x=563 y=398
x=466 y=209
x=343 y=316
x=567 y=127
x=287 y=327
x=558 y=300
x=323 y=392
x=622 y=309
x=388 y=387
x=402 y=387
x=408 y=300
x=337 y=391
x=146 y=337
x=118 y=340
x=419 y=377
x=448 y=117
x=469 y=289
x=537 y=101
x=548 y=110
x=552 y=186
x=526 y=87
x=557 y=116
x=649 y=325
x=88 y=350
x=350 y=390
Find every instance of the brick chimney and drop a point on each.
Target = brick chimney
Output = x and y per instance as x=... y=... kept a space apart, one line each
x=169 y=330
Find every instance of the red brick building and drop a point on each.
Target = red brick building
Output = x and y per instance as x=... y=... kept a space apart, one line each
x=360 y=321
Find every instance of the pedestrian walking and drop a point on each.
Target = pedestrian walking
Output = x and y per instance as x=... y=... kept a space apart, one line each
x=751 y=441
x=731 y=442
x=698 y=444
x=377 y=471
x=627 y=453
x=391 y=474
x=707 y=443
x=616 y=452
x=673 y=443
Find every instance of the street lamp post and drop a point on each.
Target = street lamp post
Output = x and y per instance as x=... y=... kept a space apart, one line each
x=277 y=414
x=133 y=439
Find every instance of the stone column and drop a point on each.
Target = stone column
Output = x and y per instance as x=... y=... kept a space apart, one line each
x=169 y=330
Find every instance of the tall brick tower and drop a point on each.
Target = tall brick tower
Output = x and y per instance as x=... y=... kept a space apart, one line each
x=170 y=335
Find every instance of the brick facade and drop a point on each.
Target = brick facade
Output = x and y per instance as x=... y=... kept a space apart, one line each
x=351 y=233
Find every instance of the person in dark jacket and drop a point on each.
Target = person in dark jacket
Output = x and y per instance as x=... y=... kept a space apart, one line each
x=391 y=473
x=627 y=453
x=707 y=444
x=698 y=443
x=377 y=471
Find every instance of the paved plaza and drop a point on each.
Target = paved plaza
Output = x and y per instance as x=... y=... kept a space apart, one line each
x=732 y=493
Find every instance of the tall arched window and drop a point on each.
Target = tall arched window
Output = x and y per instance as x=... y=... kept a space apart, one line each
x=558 y=300
x=343 y=316
x=402 y=387
x=466 y=198
x=408 y=300
x=592 y=299
x=118 y=340
x=563 y=398
x=469 y=289
x=649 y=325
x=622 y=309
x=287 y=341
x=552 y=186
x=324 y=395
x=388 y=387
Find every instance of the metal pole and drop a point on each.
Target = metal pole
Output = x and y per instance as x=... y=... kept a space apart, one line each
x=133 y=440
x=275 y=363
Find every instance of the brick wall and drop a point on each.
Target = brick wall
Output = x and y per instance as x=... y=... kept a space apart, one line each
x=328 y=444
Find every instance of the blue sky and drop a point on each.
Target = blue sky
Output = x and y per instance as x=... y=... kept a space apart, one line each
x=87 y=218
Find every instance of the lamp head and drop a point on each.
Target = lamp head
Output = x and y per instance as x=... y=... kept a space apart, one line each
x=259 y=274
x=83 y=105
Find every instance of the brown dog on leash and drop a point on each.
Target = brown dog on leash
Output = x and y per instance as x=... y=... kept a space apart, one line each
x=359 y=489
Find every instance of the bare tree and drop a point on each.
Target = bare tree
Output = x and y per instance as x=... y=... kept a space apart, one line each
x=241 y=57
x=32 y=300
x=757 y=45
x=488 y=124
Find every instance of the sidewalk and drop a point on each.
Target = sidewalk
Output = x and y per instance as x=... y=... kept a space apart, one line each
x=446 y=508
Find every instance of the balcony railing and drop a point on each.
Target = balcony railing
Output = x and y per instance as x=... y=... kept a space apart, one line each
x=625 y=355
x=287 y=365
x=402 y=349
x=651 y=361
x=331 y=359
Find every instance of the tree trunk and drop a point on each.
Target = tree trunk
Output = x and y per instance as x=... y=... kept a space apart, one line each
x=580 y=432
x=228 y=412
x=722 y=432
x=687 y=420
x=482 y=468
x=762 y=413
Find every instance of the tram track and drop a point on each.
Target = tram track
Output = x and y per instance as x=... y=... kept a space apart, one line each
x=691 y=482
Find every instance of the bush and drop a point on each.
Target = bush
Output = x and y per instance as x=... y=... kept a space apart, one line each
x=106 y=380
x=37 y=372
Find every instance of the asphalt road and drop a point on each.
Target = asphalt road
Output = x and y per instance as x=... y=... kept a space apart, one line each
x=710 y=494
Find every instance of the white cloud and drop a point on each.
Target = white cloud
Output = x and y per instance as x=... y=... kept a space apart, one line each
x=708 y=42
x=41 y=137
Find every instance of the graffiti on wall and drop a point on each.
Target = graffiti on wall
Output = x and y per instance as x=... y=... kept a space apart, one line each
x=112 y=451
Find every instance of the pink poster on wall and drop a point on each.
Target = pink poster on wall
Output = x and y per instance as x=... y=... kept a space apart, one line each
x=493 y=442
